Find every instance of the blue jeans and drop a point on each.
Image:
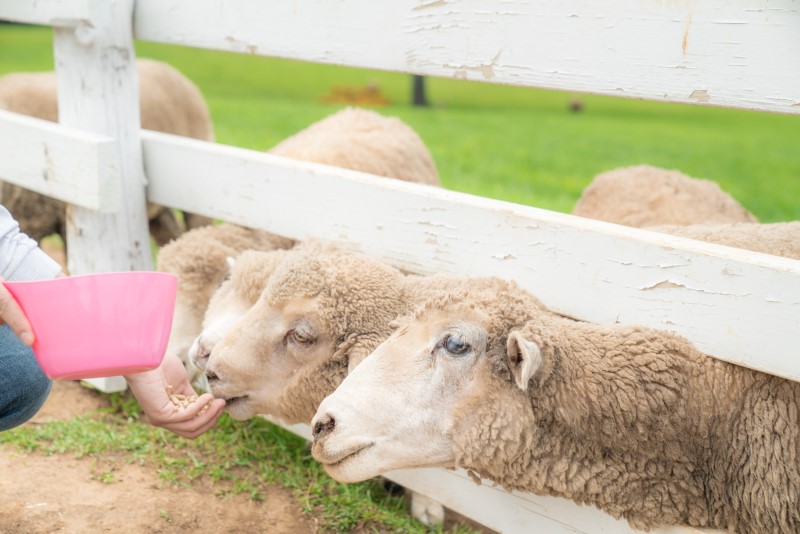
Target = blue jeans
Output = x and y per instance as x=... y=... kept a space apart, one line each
x=23 y=385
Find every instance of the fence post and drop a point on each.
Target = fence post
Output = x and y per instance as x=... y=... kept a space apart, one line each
x=98 y=91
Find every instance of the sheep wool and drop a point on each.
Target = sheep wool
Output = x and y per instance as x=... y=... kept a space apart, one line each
x=199 y=258
x=639 y=423
x=365 y=141
x=642 y=196
x=778 y=239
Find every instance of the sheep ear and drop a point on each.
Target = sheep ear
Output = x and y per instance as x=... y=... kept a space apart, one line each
x=353 y=349
x=524 y=359
x=356 y=355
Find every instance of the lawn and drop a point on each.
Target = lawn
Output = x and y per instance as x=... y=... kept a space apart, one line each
x=517 y=144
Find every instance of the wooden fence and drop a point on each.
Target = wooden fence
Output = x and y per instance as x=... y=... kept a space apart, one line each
x=739 y=306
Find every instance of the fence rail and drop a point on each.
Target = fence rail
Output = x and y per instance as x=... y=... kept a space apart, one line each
x=717 y=52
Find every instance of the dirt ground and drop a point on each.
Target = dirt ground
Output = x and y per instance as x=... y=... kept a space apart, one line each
x=45 y=494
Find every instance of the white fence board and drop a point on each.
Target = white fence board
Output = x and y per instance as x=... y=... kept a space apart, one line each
x=98 y=91
x=720 y=52
x=68 y=164
x=46 y=12
x=737 y=305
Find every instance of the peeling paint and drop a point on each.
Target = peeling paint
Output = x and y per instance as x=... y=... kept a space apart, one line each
x=507 y=256
x=666 y=284
x=429 y=5
x=685 y=42
x=701 y=95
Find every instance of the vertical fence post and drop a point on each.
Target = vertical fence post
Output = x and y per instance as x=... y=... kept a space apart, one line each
x=98 y=91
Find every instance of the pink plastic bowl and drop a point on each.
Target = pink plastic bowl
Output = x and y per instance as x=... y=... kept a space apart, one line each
x=99 y=325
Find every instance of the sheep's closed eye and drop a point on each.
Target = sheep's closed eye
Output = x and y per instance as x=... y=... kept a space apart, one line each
x=455 y=344
x=299 y=337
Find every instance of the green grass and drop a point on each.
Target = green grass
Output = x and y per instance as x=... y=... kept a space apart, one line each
x=238 y=457
x=510 y=143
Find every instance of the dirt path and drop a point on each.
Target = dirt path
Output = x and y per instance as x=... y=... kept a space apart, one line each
x=59 y=493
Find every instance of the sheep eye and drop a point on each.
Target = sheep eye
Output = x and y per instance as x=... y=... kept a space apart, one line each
x=299 y=337
x=455 y=345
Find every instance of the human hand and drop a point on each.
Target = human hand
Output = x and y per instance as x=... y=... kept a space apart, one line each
x=14 y=317
x=150 y=390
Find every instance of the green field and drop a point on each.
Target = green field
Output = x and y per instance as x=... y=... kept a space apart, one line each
x=516 y=144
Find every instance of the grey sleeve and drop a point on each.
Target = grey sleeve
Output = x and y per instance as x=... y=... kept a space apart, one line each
x=20 y=256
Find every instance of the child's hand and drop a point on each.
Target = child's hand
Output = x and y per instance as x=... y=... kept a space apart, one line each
x=163 y=394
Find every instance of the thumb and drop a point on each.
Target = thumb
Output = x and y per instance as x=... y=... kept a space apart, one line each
x=12 y=314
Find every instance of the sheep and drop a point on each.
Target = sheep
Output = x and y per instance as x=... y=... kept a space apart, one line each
x=169 y=102
x=249 y=274
x=778 y=239
x=642 y=196
x=632 y=420
x=253 y=359
x=365 y=141
x=199 y=258
x=351 y=138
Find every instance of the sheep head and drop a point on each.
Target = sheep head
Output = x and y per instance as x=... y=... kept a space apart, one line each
x=453 y=368
x=318 y=314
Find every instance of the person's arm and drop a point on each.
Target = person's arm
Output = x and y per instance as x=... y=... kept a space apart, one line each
x=20 y=256
x=20 y=259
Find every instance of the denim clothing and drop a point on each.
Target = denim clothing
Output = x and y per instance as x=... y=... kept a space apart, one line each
x=23 y=385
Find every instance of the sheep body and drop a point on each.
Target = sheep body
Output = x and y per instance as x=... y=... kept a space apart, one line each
x=633 y=420
x=778 y=239
x=169 y=103
x=643 y=195
x=365 y=141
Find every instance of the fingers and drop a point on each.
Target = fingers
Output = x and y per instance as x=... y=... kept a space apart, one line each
x=12 y=314
x=194 y=420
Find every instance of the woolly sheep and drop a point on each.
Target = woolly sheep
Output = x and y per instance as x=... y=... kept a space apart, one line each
x=320 y=314
x=365 y=141
x=778 y=239
x=647 y=196
x=199 y=258
x=249 y=274
x=169 y=102
x=632 y=420
x=352 y=138
x=249 y=363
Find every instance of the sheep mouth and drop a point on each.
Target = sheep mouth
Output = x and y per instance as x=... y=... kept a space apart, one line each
x=348 y=455
x=233 y=401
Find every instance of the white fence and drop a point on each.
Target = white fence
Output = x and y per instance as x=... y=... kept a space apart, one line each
x=739 y=306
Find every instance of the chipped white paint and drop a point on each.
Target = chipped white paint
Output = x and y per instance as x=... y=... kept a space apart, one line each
x=71 y=165
x=739 y=306
x=722 y=52
x=98 y=92
x=46 y=12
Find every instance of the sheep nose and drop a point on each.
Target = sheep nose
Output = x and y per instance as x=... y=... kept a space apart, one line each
x=324 y=426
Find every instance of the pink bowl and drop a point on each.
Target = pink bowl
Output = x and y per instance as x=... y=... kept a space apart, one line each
x=99 y=325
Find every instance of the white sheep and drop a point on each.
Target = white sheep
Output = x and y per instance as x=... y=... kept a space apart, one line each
x=200 y=260
x=647 y=196
x=352 y=138
x=778 y=239
x=632 y=420
x=169 y=102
